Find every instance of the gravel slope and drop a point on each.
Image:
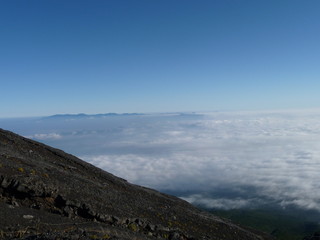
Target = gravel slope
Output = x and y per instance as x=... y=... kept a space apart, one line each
x=46 y=193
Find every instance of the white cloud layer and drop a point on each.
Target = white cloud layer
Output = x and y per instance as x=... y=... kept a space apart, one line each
x=45 y=136
x=276 y=154
x=220 y=160
x=220 y=203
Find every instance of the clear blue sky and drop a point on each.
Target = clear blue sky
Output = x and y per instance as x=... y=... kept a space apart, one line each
x=94 y=56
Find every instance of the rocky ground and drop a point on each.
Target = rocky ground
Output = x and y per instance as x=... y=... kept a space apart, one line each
x=46 y=193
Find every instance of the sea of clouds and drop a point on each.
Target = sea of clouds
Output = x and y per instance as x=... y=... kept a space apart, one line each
x=221 y=160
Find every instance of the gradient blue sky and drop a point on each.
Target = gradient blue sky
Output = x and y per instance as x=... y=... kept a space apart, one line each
x=158 y=55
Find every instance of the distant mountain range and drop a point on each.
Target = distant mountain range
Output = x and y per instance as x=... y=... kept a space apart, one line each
x=103 y=115
x=100 y=115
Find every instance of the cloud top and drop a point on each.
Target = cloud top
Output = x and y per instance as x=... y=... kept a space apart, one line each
x=45 y=136
x=218 y=160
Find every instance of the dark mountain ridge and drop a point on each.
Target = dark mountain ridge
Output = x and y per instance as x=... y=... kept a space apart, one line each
x=84 y=116
x=46 y=193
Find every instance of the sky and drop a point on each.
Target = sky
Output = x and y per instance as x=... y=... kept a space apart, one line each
x=157 y=56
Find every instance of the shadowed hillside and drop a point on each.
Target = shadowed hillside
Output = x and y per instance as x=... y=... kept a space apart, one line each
x=46 y=193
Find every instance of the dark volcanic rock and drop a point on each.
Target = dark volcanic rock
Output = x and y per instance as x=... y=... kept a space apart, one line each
x=46 y=193
x=315 y=236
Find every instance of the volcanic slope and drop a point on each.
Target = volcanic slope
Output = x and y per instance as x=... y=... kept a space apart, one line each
x=46 y=193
